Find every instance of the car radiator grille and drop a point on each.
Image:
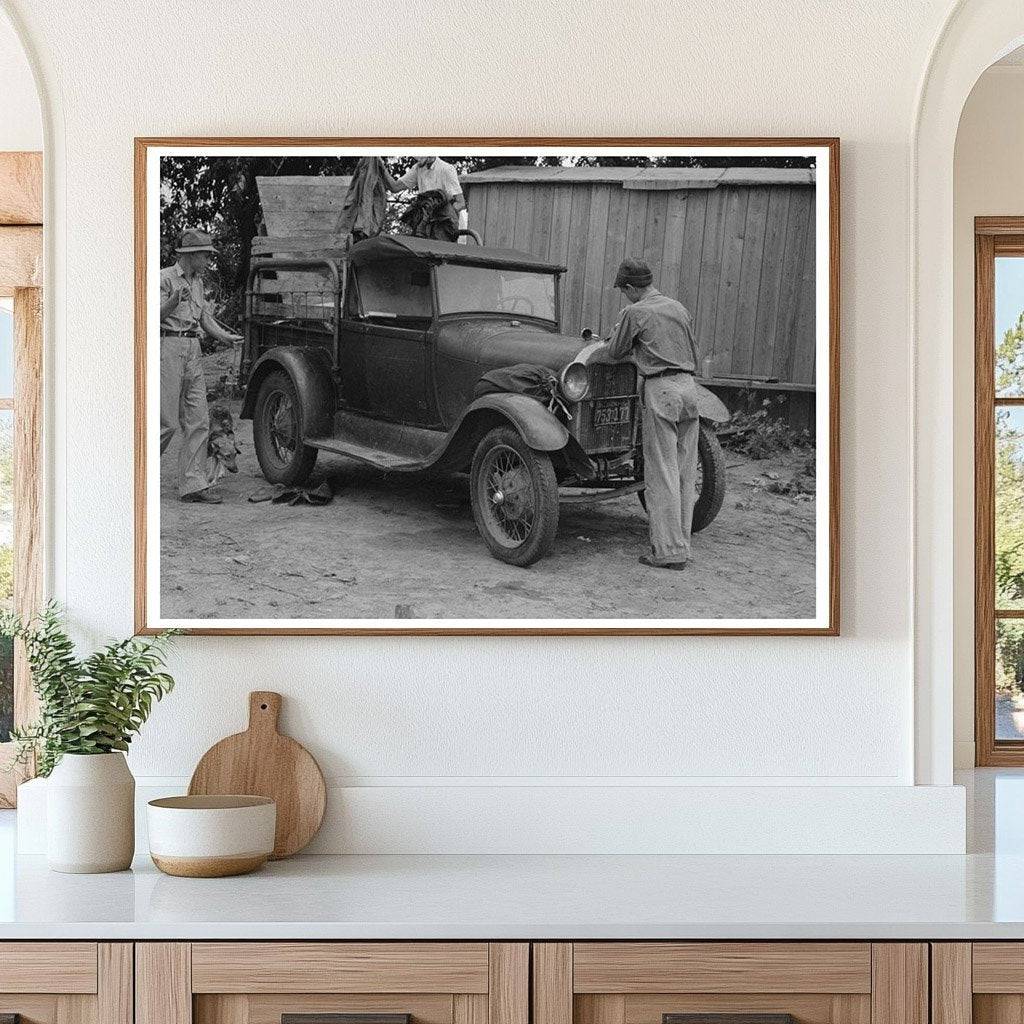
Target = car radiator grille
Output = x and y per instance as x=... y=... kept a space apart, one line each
x=607 y=417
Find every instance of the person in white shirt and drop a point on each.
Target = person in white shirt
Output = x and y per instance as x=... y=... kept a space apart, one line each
x=428 y=174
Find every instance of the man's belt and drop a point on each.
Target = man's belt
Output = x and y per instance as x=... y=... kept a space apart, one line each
x=670 y=372
x=164 y=333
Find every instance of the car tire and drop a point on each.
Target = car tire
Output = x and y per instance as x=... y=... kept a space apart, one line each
x=712 y=490
x=277 y=431
x=514 y=495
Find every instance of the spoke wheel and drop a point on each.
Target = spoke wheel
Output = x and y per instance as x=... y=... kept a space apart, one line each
x=515 y=497
x=278 y=432
x=283 y=425
x=508 y=500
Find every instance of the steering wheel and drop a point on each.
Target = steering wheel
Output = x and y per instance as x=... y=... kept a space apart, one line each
x=509 y=303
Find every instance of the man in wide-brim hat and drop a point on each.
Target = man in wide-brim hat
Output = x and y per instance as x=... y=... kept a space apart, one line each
x=184 y=312
x=655 y=333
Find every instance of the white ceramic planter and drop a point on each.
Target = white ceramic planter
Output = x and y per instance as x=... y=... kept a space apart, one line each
x=90 y=814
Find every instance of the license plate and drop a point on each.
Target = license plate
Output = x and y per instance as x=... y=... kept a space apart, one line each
x=607 y=414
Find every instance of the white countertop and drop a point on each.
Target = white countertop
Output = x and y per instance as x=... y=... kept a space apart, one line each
x=978 y=896
x=532 y=897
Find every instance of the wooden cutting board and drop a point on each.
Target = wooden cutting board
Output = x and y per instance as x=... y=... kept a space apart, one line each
x=262 y=762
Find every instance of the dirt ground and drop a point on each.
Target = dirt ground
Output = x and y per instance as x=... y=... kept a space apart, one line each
x=391 y=545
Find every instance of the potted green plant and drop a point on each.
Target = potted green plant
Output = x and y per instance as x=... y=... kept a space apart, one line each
x=89 y=710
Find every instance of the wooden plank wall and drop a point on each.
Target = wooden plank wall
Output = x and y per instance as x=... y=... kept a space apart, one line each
x=741 y=258
x=302 y=204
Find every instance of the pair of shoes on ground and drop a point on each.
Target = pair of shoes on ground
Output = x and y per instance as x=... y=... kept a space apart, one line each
x=205 y=497
x=649 y=561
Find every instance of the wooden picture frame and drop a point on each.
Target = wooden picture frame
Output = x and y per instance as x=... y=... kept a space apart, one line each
x=21 y=261
x=993 y=237
x=826 y=621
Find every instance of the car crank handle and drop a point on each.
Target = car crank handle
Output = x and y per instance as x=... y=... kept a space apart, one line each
x=556 y=401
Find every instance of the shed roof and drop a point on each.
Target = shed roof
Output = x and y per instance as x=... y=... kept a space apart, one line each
x=645 y=178
x=389 y=247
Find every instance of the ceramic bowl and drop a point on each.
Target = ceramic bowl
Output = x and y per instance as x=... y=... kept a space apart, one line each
x=211 y=836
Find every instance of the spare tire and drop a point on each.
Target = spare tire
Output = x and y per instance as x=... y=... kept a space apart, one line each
x=710 y=479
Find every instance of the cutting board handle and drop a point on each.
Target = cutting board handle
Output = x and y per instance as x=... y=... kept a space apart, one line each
x=264 y=710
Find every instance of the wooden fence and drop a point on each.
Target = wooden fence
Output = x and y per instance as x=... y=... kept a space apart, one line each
x=736 y=246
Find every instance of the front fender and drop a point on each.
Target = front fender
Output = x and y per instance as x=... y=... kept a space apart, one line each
x=536 y=425
x=539 y=427
x=711 y=407
x=310 y=372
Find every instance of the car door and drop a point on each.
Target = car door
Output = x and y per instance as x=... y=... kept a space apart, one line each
x=384 y=342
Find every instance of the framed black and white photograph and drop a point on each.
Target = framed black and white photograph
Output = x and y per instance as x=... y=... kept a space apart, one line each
x=488 y=386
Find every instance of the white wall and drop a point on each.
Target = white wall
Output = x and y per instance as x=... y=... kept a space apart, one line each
x=988 y=181
x=21 y=125
x=446 y=713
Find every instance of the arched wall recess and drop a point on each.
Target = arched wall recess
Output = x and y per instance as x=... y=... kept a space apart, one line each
x=975 y=34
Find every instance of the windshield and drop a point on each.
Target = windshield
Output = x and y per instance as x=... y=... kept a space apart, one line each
x=495 y=290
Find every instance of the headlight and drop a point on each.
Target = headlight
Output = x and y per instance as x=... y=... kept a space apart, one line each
x=575 y=382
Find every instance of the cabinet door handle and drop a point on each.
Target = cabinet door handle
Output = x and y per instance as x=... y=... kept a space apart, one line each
x=337 y=1018
x=728 y=1018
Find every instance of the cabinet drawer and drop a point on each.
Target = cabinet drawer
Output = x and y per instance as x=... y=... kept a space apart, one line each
x=262 y=982
x=735 y=982
x=340 y=967
x=629 y=967
x=66 y=982
x=48 y=967
x=998 y=967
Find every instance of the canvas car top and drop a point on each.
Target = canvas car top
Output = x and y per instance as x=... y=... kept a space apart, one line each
x=389 y=247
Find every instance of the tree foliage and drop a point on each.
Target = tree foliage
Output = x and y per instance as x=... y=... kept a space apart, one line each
x=219 y=194
x=1009 y=656
x=1009 y=471
x=90 y=705
x=1009 y=506
x=1010 y=360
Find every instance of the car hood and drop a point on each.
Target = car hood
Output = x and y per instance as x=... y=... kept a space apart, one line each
x=489 y=344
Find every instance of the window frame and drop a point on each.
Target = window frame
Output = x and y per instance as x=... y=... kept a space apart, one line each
x=387 y=316
x=21 y=254
x=993 y=237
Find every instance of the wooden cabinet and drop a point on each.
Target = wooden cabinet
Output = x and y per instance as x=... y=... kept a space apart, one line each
x=260 y=982
x=979 y=982
x=494 y=983
x=648 y=982
x=66 y=982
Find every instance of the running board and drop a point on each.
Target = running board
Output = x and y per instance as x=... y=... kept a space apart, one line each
x=371 y=456
x=389 y=446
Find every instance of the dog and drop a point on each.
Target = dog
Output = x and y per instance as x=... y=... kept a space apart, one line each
x=222 y=449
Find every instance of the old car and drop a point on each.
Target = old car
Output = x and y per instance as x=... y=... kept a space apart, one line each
x=376 y=351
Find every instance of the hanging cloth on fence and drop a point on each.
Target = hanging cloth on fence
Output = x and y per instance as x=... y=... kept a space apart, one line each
x=366 y=201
